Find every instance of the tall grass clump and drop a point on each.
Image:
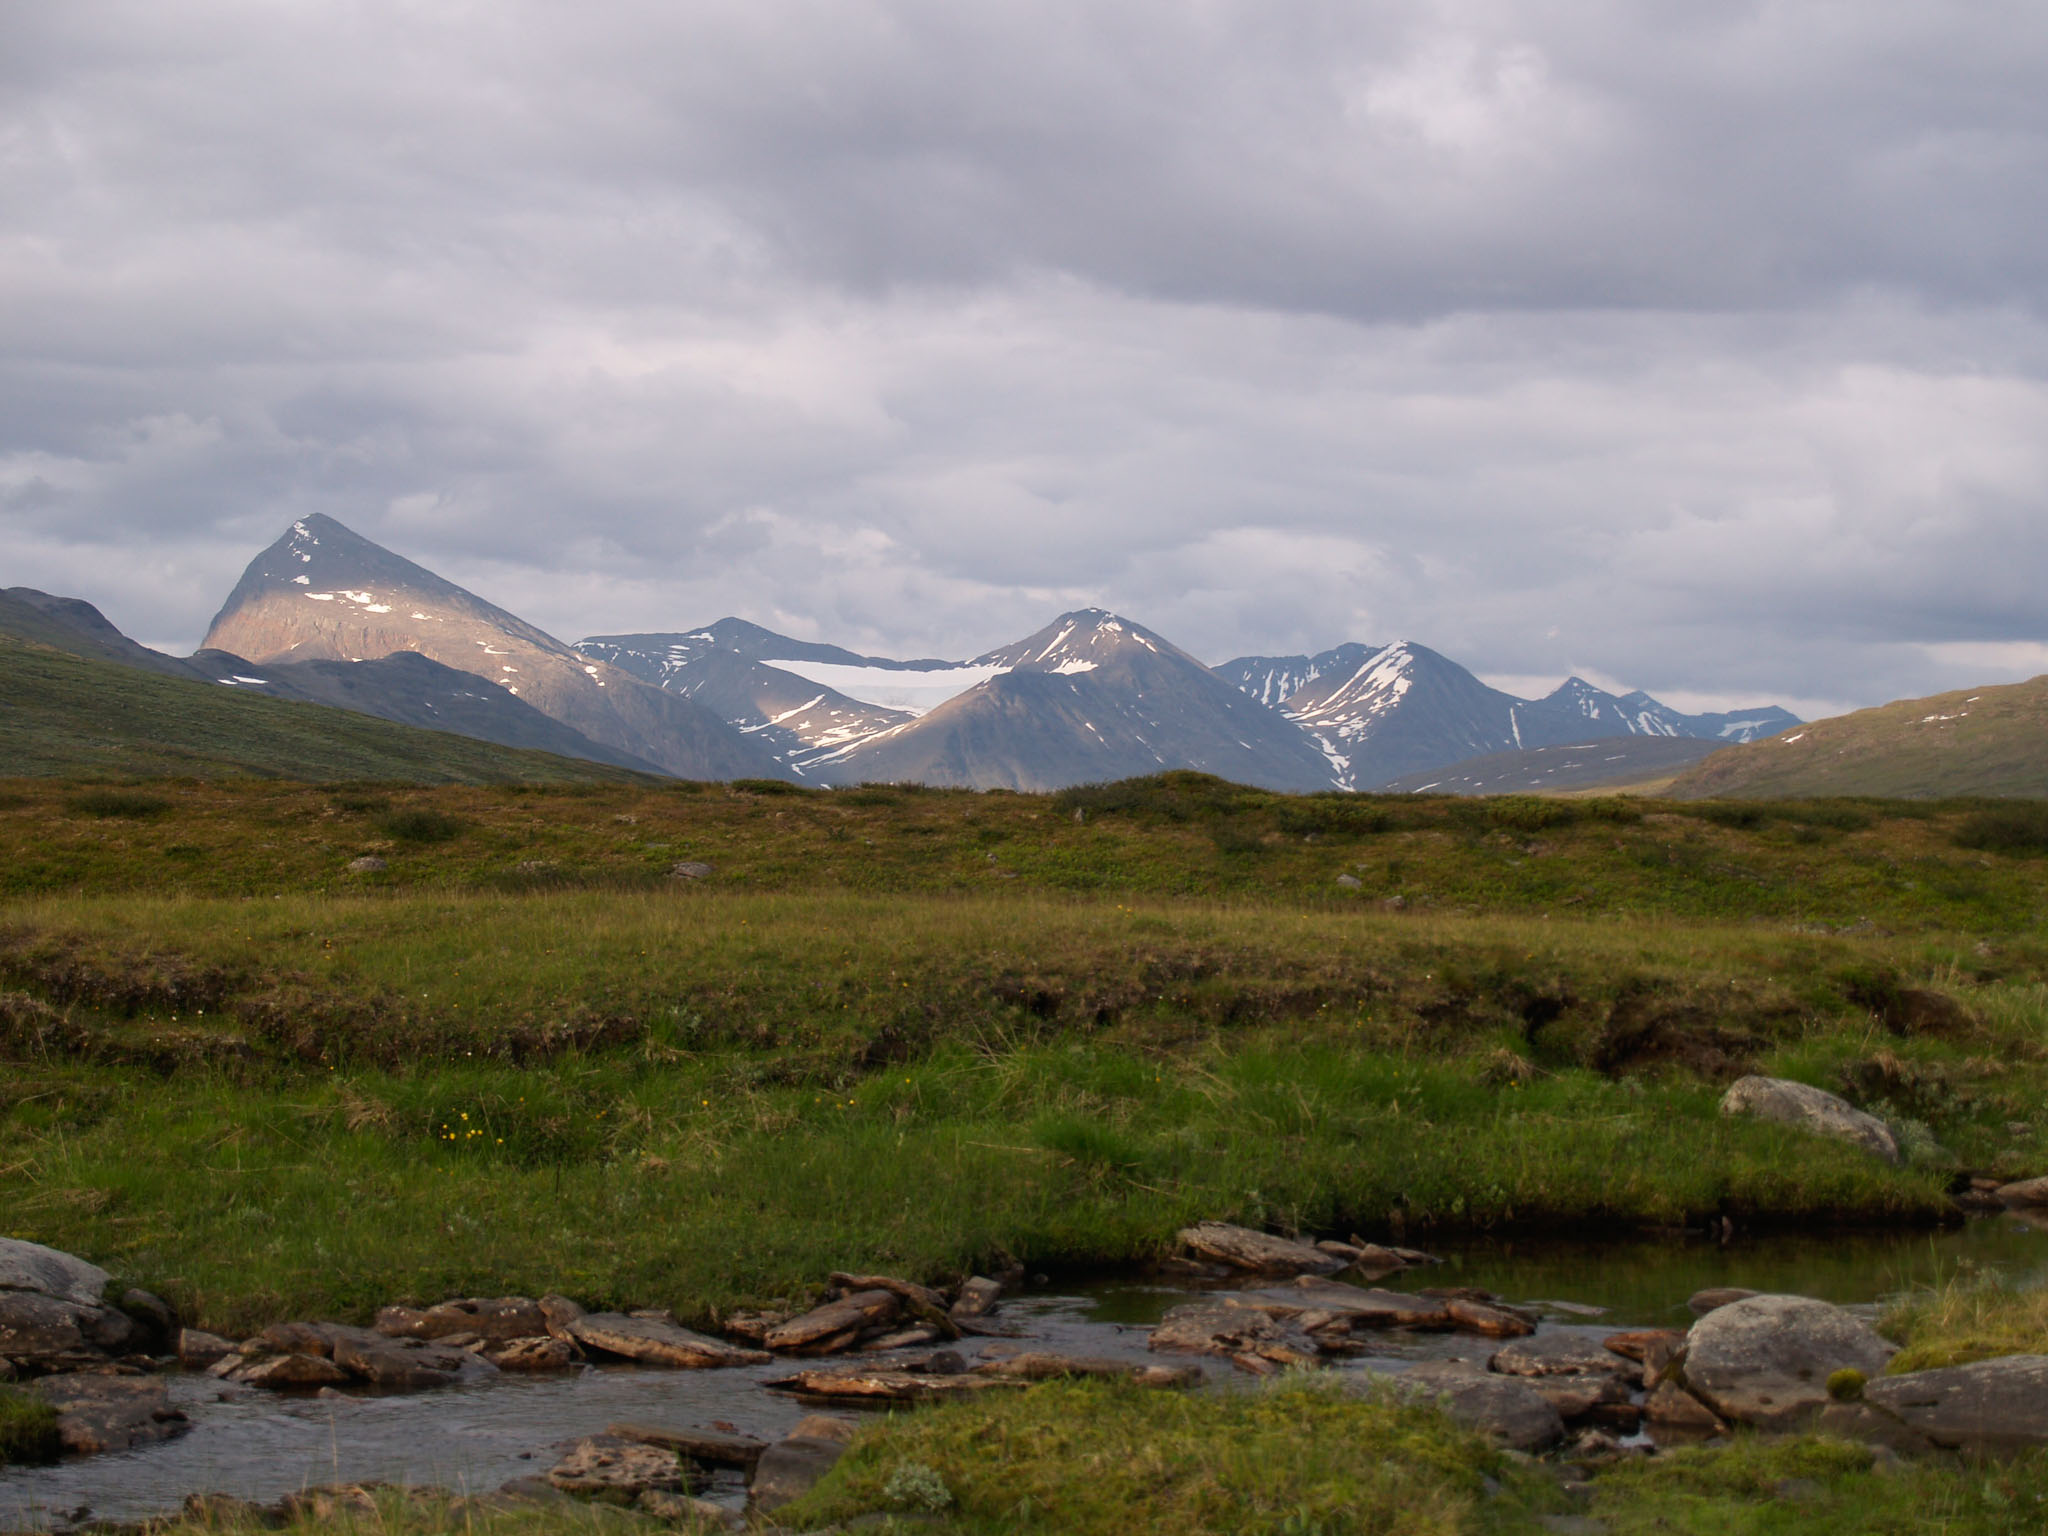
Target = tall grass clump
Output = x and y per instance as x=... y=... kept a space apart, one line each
x=2018 y=829
x=28 y=1429
x=1968 y=1317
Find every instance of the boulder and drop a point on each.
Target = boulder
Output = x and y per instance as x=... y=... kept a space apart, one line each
x=26 y=1266
x=156 y=1322
x=45 y=1332
x=2024 y=1192
x=652 y=1341
x=1766 y=1360
x=618 y=1471
x=1785 y=1102
x=98 y=1413
x=791 y=1468
x=1258 y=1252
x=1580 y=1394
x=690 y=869
x=1507 y=1411
x=1990 y=1406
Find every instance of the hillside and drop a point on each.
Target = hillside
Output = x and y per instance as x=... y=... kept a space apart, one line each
x=324 y=592
x=62 y=714
x=1980 y=741
x=1612 y=762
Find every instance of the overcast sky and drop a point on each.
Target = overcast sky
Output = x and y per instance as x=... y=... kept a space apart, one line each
x=1694 y=345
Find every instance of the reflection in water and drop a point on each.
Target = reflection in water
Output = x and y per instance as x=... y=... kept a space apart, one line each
x=259 y=1446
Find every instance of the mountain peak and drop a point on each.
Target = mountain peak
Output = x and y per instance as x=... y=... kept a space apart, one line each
x=1079 y=641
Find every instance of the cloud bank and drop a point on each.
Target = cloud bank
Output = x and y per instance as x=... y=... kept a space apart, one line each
x=1691 y=347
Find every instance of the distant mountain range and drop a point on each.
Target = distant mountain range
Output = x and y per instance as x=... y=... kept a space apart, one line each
x=324 y=615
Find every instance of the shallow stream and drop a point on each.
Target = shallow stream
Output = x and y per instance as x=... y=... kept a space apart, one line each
x=260 y=1446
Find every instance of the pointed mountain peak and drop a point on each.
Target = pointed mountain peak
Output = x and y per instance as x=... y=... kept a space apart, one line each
x=1079 y=641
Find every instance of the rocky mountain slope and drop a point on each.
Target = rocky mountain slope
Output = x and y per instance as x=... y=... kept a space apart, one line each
x=323 y=592
x=1090 y=697
x=1384 y=714
x=1978 y=741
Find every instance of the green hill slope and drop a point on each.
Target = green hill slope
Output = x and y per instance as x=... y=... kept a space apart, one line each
x=1979 y=741
x=74 y=716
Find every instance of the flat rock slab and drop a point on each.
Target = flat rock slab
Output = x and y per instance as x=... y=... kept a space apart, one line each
x=2024 y=1192
x=1257 y=1252
x=404 y=1365
x=541 y=1353
x=26 y=1266
x=1785 y=1102
x=791 y=1468
x=487 y=1317
x=1992 y=1406
x=1700 y=1303
x=282 y=1373
x=654 y=1342
x=712 y=1446
x=1036 y=1365
x=1511 y=1413
x=1244 y=1335
x=109 y=1413
x=618 y=1471
x=1766 y=1360
x=1563 y=1354
x=837 y=1325
x=886 y=1386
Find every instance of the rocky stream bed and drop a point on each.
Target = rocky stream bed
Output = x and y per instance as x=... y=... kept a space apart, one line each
x=1577 y=1350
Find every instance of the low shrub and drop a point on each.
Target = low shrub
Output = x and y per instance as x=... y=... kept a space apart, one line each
x=129 y=804
x=418 y=825
x=2018 y=829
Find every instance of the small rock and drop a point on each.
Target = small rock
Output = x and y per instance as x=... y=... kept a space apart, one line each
x=713 y=1446
x=618 y=1471
x=1672 y=1410
x=155 y=1318
x=198 y=1349
x=541 y=1353
x=977 y=1298
x=690 y=869
x=1766 y=1360
x=1244 y=1336
x=681 y=1509
x=1350 y=882
x=791 y=1468
x=1703 y=1302
x=368 y=864
x=1786 y=1102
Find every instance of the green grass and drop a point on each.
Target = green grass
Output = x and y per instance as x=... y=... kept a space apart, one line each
x=1966 y=1318
x=28 y=1428
x=75 y=716
x=1102 y=1460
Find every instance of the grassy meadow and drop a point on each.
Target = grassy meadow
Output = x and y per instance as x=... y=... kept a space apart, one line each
x=924 y=1030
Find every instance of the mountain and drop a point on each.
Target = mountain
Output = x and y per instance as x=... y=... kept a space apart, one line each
x=74 y=626
x=323 y=592
x=1091 y=697
x=1272 y=680
x=1403 y=709
x=1611 y=762
x=65 y=714
x=1979 y=741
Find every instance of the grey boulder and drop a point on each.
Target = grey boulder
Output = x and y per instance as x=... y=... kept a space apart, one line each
x=1992 y=1406
x=98 y=1413
x=1766 y=1360
x=1801 y=1105
x=26 y=1266
x=1511 y=1413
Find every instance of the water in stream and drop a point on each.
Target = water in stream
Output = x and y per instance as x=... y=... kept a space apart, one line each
x=260 y=1446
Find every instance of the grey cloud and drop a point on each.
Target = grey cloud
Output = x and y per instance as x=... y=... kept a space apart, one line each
x=1700 y=346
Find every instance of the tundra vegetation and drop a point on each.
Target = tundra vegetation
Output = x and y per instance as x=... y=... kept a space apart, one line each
x=274 y=1049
